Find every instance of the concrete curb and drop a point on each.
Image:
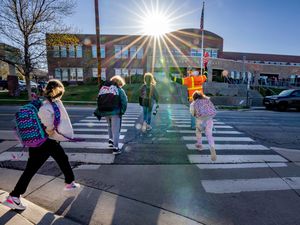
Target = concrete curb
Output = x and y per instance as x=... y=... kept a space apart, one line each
x=33 y=214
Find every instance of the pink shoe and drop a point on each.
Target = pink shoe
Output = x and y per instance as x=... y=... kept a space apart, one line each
x=72 y=186
x=199 y=146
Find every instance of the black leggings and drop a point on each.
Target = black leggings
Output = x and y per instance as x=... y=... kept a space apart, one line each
x=37 y=157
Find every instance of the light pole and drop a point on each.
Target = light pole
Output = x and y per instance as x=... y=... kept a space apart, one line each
x=98 y=41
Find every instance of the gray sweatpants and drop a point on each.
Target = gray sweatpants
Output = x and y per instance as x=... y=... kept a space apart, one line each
x=114 y=127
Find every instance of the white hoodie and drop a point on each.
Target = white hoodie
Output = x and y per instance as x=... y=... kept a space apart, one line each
x=46 y=114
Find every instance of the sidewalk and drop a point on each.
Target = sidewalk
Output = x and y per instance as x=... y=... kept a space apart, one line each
x=85 y=206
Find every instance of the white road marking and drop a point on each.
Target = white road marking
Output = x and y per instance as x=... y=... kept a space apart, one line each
x=101 y=124
x=95 y=136
x=104 y=121
x=240 y=166
x=73 y=157
x=96 y=130
x=217 y=126
x=87 y=167
x=89 y=145
x=230 y=147
x=189 y=122
x=215 y=132
x=235 y=139
x=236 y=159
x=248 y=185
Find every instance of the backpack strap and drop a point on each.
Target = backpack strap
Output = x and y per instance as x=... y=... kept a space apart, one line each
x=57 y=122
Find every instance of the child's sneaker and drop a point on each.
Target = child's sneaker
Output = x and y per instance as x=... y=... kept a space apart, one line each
x=199 y=146
x=144 y=127
x=116 y=151
x=110 y=143
x=213 y=154
x=72 y=186
x=149 y=127
x=14 y=203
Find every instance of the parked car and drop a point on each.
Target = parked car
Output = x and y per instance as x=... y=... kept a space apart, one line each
x=22 y=85
x=3 y=84
x=286 y=99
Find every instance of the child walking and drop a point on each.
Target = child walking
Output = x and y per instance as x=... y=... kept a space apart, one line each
x=204 y=111
x=51 y=147
x=148 y=94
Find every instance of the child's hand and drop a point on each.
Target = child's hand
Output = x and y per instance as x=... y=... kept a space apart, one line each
x=50 y=132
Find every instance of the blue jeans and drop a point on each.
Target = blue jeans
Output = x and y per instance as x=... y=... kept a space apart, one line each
x=147 y=114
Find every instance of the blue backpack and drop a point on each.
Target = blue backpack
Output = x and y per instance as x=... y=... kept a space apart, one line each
x=29 y=128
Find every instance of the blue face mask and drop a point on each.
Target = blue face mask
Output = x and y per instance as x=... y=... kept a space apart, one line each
x=195 y=73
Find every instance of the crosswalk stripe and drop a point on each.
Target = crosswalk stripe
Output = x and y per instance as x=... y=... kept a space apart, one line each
x=95 y=136
x=189 y=122
x=235 y=139
x=95 y=130
x=105 y=158
x=217 y=126
x=240 y=166
x=249 y=185
x=230 y=147
x=85 y=144
x=101 y=124
x=88 y=145
x=196 y=159
x=104 y=121
x=215 y=132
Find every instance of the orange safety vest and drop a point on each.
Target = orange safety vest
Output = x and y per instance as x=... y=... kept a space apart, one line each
x=194 y=83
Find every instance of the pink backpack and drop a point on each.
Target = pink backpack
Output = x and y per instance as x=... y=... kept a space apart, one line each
x=204 y=107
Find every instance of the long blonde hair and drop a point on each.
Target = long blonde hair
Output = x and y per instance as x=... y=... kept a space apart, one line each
x=118 y=80
x=54 y=89
x=153 y=82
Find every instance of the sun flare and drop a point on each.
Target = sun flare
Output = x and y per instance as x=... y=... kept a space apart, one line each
x=156 y=25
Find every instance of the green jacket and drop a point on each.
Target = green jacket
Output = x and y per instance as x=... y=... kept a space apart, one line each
x=120 y=111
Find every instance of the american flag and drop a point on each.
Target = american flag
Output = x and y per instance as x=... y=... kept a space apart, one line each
x=202 y=19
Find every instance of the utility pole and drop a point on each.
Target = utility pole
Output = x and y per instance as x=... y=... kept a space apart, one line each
x=98 y=41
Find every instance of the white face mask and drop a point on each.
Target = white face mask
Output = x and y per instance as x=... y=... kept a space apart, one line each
x=195 y=73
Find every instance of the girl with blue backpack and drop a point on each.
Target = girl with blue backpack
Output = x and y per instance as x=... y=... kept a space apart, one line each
x=56 y=131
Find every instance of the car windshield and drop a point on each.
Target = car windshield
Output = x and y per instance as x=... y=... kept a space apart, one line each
x=286 y=92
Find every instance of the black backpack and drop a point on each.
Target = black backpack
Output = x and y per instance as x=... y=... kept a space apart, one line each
x=108 y=97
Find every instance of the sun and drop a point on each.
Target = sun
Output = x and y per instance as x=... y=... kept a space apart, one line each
x=155 y=24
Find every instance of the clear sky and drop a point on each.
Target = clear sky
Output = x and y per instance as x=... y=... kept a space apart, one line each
x=257 y=26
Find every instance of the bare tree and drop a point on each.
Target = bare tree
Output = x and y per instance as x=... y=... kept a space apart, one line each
x=25 y=24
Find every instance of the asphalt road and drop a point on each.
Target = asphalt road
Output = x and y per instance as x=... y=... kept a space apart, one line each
x=248 y=184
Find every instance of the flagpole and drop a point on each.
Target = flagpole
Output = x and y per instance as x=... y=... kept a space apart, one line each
x=202 y=38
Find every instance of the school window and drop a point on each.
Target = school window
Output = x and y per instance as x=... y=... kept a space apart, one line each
x=71 y=51
x=196 y=52
x=57 y=73
x=118 y=49
x=133 y=52
x=125 y=72
x=55 y=51
x=95 y=72
x=72 y=74
x=139 y=71
x=140 y=53
x=63 y=51
x=118 y=71
x=79 y=51
x=102 y=51
x=124 y=52
x=65 y=74
x=103 y=73
x=79 y=74
x=133 y=72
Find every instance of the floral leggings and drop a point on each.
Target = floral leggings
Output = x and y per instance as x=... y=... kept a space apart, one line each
x=208 y=125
